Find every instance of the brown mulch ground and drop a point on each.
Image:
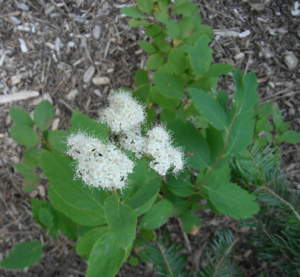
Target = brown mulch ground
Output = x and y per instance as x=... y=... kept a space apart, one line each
x=61 y=46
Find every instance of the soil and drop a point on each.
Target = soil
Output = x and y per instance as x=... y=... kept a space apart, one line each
x=61 y=46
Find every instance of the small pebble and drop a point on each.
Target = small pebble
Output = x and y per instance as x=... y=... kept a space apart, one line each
x=101 y=81
x=88 y=74
x=72 y=94
x=96 y=32
x=24 y=48
x=290 y=60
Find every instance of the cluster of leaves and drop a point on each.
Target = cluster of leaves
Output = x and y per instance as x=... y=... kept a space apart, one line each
x=214 y=132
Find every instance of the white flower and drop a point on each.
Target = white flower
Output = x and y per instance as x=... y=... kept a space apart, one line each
x=166 y=157
x=124 y=112
x=99 y=164
x=135 y=142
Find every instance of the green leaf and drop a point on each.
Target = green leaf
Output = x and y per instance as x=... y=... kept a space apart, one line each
x=106 y=257
x=141 y=78
x=85 y=244
x=177 y=60
x=151 y=115
x=200 y=55
x=245 y=94
x=145 y=196
x=145 y=5
x=143 y=94
x=57 y=140
x=37 y=205
x=216 y=70
x=30 y=182
x=136 y=23
x=166 y=115
x=20 y=116
x=185 y=27
x=181 y=185
x=223 y=99
x=289 y=136
x=141 y=176
x=132 y=12
x=24 y=168
x=69 y=196
x=157 y=215
x=24 y=254
x=147 y=234
x=210 y=108
x=84 y=123
x=122 y=220
x=201 y=122
x=154 y=61
x=153 y=30
x=67 y=226
x=197 y=32
x=24 y=135
x=277 y=118
x=215 y=142
x=148 y=47
x=189 y=220
x=172 y=28
x=46 y=217
x=220 y=174
x=266 y=109
x=186 y=9
x=162 y=100
x=241 y=132
x=133 y=261
x=178 y=2
x=195 y=146
x=168 y=84
x=263 y=124
x=31 y=156
x=43 y=115
x=52 y=220
x=232 y=200
x=163 y=45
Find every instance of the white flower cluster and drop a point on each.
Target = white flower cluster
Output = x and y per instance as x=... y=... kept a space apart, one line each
x=124 y=113
x=164 y=154
x=135 y=142
x=99 y=164
x=126 y=116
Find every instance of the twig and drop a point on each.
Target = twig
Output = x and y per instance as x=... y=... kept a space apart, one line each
x=226 y=253
x=186 y=238
x=283 y=201
x=165 y=259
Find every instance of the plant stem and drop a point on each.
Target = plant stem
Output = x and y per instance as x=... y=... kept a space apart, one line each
x=220 y=156
x=165 y=259
x=222 y=260
x=283 y=201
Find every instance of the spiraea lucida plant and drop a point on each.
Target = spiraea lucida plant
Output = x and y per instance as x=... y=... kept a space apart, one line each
x=126 y=173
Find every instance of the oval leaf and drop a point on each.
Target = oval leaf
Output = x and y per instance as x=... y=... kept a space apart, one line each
x=210 y=108
x=70 y=196
x=23 y=255
x=122 y=220
x=24 y=135
x=232 y=200
x=132 y=12
x=20 y=116
x=157 y=215
x=196 y=149
x=168 y=84
x=43 y=115
x=106 y=257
